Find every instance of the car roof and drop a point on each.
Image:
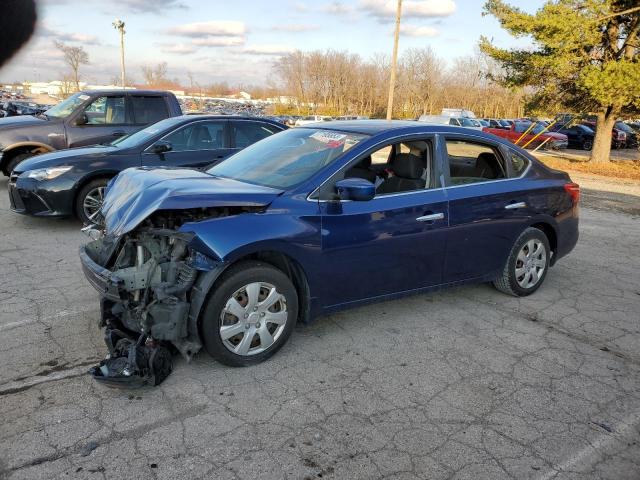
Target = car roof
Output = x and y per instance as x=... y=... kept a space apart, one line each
x=194 y=118
x=134 y=91
x=374 y=127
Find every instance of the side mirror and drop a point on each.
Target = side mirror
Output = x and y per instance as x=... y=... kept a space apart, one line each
x=81 y=120
x=161 y=146
x=357 y=189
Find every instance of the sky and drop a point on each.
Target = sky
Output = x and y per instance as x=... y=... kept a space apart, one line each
x=239 y=41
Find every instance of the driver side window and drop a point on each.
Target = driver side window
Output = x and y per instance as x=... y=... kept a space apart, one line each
x=106 y=111
x=397 y=168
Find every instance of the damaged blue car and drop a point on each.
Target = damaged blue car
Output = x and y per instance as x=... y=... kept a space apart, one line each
x=308 y=222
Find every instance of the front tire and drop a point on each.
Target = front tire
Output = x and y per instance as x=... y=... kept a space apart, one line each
x=89 y=200
x=250 y=314
x=587 y=145
x=15 y=161
x=527 y=265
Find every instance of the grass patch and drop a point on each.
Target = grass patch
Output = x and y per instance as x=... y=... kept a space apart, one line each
x=629 y=170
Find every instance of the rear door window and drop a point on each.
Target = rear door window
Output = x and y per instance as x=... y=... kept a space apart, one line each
x=473 y=162
x=245 y=133
x=148 y=109
x=198 y=136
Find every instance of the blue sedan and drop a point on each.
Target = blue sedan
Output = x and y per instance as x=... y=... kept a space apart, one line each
x=311 y=221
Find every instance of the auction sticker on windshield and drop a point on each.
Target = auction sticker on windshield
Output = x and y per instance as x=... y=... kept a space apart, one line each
x=332 y=139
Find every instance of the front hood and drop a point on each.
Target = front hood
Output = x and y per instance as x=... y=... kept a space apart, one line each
x=63 y=157
x=20 y=121
x=138 y=192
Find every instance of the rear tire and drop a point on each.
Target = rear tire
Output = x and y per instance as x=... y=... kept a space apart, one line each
x=527 y=265
x=89 y=199
x=15 y=161
x=240 y=326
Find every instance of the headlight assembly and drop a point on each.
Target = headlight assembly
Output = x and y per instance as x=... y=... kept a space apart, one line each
x=47 y=173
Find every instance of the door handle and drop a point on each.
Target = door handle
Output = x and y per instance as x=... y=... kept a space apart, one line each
x=515 y=206
x=119 y=133
x=431 y=217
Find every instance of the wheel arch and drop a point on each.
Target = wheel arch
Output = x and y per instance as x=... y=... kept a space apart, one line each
x=106 y=174
x=19 y=148
x=552 y=235
x=208 y=281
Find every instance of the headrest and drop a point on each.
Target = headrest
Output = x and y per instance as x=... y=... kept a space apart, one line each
x=409 y=166
x=365 y=162
x=486 y=165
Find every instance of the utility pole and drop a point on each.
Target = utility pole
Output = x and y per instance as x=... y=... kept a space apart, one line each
x=394 y=61
x=119 y=25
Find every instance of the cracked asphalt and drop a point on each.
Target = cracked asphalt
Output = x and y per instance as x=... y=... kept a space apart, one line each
x=466 y=383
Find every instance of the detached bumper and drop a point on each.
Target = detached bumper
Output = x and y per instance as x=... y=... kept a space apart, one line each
x=104 y=281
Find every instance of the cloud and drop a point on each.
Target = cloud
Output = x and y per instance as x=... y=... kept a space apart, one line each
x=295 y=27
x=178 y=48
x=268 y=49
x=218 y=41
x=337 y=8
x=385 y=10
x=415 y=31
x=154 y=6
x=67 y=37
x=213 y=28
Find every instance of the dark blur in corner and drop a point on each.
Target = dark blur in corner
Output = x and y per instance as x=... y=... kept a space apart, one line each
x=17 y=22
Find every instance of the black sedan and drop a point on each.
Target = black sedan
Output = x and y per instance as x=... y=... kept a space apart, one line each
x=72 y=182
x=579 y=136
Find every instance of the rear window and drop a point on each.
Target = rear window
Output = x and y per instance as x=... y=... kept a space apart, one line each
x=246 y=133
x=147 y=110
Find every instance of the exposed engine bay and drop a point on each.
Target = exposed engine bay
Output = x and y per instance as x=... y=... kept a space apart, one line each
x=145 y=278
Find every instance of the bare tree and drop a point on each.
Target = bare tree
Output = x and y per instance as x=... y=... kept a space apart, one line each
x=155 y=76
x=74 y=57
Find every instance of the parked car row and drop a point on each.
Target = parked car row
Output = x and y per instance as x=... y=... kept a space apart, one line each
x=531 y=135
x=73 y=181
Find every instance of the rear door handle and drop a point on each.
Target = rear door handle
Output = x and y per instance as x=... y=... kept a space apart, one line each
x=431 y=217
x=515 y=206
x=119 y=133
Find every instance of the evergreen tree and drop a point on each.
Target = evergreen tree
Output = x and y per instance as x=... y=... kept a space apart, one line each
x=585 y=59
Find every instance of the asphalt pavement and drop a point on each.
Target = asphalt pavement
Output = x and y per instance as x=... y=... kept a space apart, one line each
x=466 y=383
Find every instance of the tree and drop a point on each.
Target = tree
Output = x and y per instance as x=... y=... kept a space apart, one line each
x=73 y=57
x=586 y=58
x=155 y=75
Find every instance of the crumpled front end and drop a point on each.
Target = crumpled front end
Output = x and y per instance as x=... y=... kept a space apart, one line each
x=145 y=279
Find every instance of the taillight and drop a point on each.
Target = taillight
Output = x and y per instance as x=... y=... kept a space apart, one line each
x=573 y=189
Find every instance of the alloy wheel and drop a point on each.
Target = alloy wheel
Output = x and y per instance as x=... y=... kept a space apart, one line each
x=253 y=319
x=92 y=202
x=531 y=263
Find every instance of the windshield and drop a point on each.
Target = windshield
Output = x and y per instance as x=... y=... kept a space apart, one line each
x=287 y=158
x=141 y=136
x=624 y=127
x=66 y=107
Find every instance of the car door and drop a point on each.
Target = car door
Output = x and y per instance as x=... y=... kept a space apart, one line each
x=103 y=120
x=199 y=144
x=488 y=206
x=393 y=243
x=247 y=132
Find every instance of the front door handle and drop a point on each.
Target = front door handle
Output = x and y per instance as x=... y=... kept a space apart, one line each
x=431 y=217
x=515 y=206
x=119 y=133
